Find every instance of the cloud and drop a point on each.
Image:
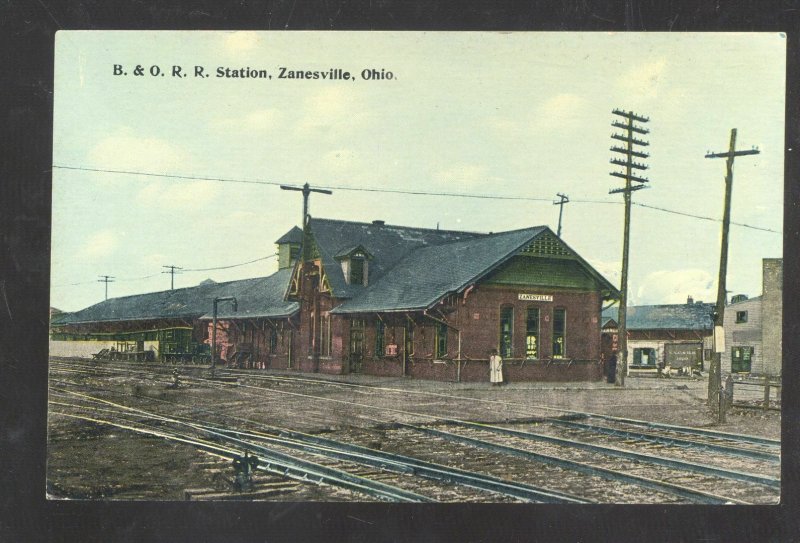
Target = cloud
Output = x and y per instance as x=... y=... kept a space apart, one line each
x=611 y=270
x=154 y=260
x=565 y=111
x=343 y=164
x=332 y=107
x=100 y=244
x=466 y=174
x=673 y=287
x=179 y=195
x=561 y=108
x=643 y=80
x=259 y=120
x=125 y=151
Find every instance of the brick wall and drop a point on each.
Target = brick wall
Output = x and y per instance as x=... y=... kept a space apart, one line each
x=479 y=336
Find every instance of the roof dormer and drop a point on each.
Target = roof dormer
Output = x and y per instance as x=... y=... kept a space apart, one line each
x=289 y=247
x=355 y=265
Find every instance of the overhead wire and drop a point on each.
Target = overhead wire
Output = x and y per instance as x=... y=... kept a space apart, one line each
x=404 y=191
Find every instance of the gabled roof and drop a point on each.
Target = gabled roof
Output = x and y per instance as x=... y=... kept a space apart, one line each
x=429 y=273
x=388 y=244
x=344 y=253
x=262 y=296
x=608 y=322
x=695 y=316
x=295 y=235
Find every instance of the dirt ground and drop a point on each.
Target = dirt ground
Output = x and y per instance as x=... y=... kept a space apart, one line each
x=90 y=461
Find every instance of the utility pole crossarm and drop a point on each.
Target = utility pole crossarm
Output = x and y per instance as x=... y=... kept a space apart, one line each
x=306 y=190
x=630 y=152
x=633 y=128
x=171 y=270
x=629 y=139
x=631 y=189
x=631 y=177
x=753 y=151
x=106 y=279
x=563 y=199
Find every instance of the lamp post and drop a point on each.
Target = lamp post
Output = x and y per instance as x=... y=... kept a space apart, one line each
x=214 y=328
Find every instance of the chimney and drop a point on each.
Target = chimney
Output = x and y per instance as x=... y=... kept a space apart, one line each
x=689 y=300
x=378 y=223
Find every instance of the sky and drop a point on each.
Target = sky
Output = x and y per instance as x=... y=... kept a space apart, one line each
x=517 y=115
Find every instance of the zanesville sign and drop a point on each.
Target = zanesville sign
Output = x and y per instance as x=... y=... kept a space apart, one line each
x=536 y=297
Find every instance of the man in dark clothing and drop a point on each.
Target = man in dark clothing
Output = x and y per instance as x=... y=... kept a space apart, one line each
x=612 y=368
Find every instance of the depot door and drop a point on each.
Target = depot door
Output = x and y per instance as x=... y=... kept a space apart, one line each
x=408 y=347
x=356 y=345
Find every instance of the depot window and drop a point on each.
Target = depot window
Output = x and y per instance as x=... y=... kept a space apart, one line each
x=356 y=271
x=325 y=335
x=645 y=356
x=741 y=316
x=380 y=338
x=741 y=359
x=441 y=340
x=506 y=332
x=559 y=333
x=532 y=333
x=273 y=340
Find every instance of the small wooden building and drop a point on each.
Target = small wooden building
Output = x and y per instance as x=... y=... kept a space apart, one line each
x=674 y=335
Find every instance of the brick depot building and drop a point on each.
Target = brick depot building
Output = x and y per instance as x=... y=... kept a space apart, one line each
x=354 y=297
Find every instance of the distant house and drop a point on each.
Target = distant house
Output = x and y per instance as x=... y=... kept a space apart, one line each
x=674 y=335
x=753 y=327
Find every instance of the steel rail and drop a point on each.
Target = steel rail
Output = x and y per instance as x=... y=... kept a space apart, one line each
x=690 y=430
x=663 y=461
x=629 y=455
x=407 y=464
x=287 y=466
x=672 y=441
x=655 y=425
x=581 y=467
x=354 y=453
x=391 y=464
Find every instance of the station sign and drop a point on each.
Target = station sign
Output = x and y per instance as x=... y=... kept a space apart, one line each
x=535 y=297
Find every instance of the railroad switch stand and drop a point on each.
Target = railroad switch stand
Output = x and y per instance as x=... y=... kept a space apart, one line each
x=244 y=466
x=176 y=381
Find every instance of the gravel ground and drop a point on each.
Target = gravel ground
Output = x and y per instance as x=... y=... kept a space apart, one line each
x=88 y=461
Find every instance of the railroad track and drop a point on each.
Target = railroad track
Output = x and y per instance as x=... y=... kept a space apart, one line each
x=317 y=459
x=608 y=458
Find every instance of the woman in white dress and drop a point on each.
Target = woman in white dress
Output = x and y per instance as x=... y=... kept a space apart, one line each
x=495 y=368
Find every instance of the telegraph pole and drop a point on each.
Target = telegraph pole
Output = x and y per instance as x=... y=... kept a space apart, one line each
x=629 y=151
x=564 y=200
x=715 y=372
x=106 y=279
x=172 y=273
x=306 y=190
